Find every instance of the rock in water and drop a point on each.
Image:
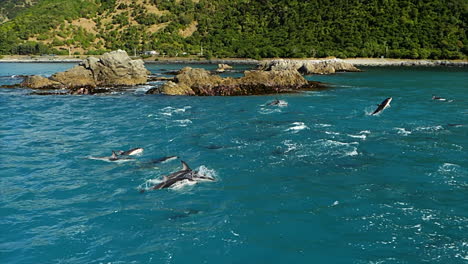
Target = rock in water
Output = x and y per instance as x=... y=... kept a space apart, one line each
x=308 y=66
x=200 y=82
x=223 y=67
x=39 y=82
x=114 y=68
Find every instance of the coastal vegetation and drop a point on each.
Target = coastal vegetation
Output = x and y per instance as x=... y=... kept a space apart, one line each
x=414 y=29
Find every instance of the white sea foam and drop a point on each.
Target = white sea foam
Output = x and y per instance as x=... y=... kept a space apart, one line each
x=297 y=126
x=169 y=110
x=267 y=111
x=143 y=88
x=402 y=131
x=333 y=147
x=429 y=128
x=363 y=136
x=322 y=125
x=365 y=132
x=332 y=133
x=184 y=122
x=203 y=170
x=354 y=152
x=290 y=145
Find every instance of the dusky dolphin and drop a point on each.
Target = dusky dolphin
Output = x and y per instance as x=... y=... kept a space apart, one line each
x=186 y=173
x=277 y=102
x=113 y=158
x=437 y=98
x=131 y=152
x=383 y=105
x=163 y=159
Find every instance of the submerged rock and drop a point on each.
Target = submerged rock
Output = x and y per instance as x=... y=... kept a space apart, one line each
x=201 y=82
x=113 y=69
x=308 y=67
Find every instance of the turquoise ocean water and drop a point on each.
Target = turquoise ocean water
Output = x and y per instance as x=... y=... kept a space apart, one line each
x=318 y=181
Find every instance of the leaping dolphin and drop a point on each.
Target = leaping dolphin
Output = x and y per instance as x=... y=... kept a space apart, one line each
x=383 y=105
x=186 y=173
x=131 y=152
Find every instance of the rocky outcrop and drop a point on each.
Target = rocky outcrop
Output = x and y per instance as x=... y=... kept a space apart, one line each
x=114 y=68
x=39 y=82
x=308 y=67
x=201 y=82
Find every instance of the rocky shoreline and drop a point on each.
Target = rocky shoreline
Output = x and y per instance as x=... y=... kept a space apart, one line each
x=116 y=72
x=200 y=82
x=368 y=62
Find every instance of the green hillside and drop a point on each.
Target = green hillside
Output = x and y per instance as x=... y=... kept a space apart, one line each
x=241 y=28
x=10 y=8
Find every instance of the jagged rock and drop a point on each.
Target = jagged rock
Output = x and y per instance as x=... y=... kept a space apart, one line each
x=39 y=82
x=200 y=82
x=114 y=68
x=77 y=76
x=223 y=67
x=308 y=66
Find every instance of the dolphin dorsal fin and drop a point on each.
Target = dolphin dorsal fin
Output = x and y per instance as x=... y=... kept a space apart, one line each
x=114 y=155
x=185 y=166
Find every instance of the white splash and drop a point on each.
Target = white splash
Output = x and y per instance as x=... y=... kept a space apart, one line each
x=336 y=148
x=184 y=122
x=363 y=137
x=430 y=128
x=402 y=131
x=322 y=125
x=297 y=126
x=267 y=111
x=203 y=170
x=291 y=146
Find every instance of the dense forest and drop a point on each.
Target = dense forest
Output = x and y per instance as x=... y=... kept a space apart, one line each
x=416 y=29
